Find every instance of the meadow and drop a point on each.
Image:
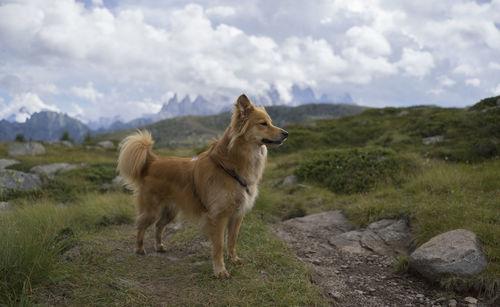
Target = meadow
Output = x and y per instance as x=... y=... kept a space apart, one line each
x=372 y=165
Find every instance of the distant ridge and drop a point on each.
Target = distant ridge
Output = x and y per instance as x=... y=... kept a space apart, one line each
x=43 y=126
x=199 y=130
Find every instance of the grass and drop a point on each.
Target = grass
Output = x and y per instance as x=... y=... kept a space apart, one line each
x=445 y=186
x=72 y=212
x=34 y=236
x=440 y=197
x=183 y=276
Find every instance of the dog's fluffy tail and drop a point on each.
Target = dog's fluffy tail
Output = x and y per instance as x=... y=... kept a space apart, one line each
x=135 y=155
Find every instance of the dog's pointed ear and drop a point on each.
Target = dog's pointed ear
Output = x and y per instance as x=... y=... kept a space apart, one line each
x=244 y=106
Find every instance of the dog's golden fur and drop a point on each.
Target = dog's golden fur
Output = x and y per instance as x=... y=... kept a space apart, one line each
x=216 y=189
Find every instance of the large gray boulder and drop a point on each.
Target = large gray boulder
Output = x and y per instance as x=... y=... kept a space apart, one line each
x=11 y=180
x=50 y=170
x=26 y=149
x=7 y=162
x=384 y=237
x=321 y=225
x=455 y=252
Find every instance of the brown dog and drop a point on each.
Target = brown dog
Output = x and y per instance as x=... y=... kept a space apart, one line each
x=217 y=189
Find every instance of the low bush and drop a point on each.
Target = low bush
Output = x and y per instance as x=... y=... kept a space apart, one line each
x=355 y=170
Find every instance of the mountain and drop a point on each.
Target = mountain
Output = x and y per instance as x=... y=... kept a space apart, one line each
x=44 y=126
x=215 y=104
x=199 y=130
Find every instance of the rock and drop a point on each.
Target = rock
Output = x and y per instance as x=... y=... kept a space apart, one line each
x=7 y=162
x=335 y=294
x=433 y=140
x=50 y=170
x=322 y=225
x=106 y=144
x=470 y=300
x=67 y=144
x=72 y=254
x=456 y=252
x=91 y=147
x=26 y=149
x=452 y=303
x=115 y=185
x=384 y=237
x=11 y=180
x=4 y=206
x=118 y=180
x=290 y=180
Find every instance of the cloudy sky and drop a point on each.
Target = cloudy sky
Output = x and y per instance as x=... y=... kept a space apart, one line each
x=102 y=58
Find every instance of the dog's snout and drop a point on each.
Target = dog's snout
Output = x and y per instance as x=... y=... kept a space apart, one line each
x=284 y=133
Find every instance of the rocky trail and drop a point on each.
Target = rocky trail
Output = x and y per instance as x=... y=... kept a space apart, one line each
x=358 y=267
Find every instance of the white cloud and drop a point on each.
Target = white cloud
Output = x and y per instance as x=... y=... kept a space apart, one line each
x=144 y=49
x=221 y=11
x=88 y=93
x=77 y=111
x=49 y=88
x=22 y=106
x=416 y=63
x=368 y=41
x=473 y=82
x=494 y=65
x=466 y=69
x=496 y=90
x=445 y=81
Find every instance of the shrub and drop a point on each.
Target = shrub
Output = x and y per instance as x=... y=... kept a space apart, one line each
x=486 y=103
x=355 y=170
x=20 y=138
x=65 y=136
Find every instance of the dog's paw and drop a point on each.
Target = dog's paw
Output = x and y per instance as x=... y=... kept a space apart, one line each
x=160 y=249
x=222 y=274
x=140 y=251
x=237 y=260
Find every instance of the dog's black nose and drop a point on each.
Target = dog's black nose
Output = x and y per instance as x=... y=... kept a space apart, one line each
x=284 y=133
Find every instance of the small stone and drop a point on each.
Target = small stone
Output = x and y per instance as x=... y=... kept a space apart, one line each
x=359 y=292
x=316 y=261
x=290 y=180
x=106 y=144
x=371 y=290
x=470 y=300
x=420 y=296
x=335 y=294
x=452 y=303
x=72 y=253
x=344 y=266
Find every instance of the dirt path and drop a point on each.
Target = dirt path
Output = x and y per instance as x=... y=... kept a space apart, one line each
x=352 y=279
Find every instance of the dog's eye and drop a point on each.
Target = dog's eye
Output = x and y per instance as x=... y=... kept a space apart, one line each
x=264 y=123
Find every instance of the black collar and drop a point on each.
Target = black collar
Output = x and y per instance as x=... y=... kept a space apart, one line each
x=233 y=174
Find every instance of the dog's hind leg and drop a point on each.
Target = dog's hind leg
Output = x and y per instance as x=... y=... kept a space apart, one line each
x=233 y=228
x=215 y=230
x=144 y=220
x=168 y=213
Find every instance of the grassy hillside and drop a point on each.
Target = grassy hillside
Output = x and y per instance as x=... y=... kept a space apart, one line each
x=466 y=135
x=372 y=165
x=199 y=130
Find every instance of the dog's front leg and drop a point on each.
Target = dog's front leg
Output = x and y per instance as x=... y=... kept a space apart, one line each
x=232 y=236
x=215 y=231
